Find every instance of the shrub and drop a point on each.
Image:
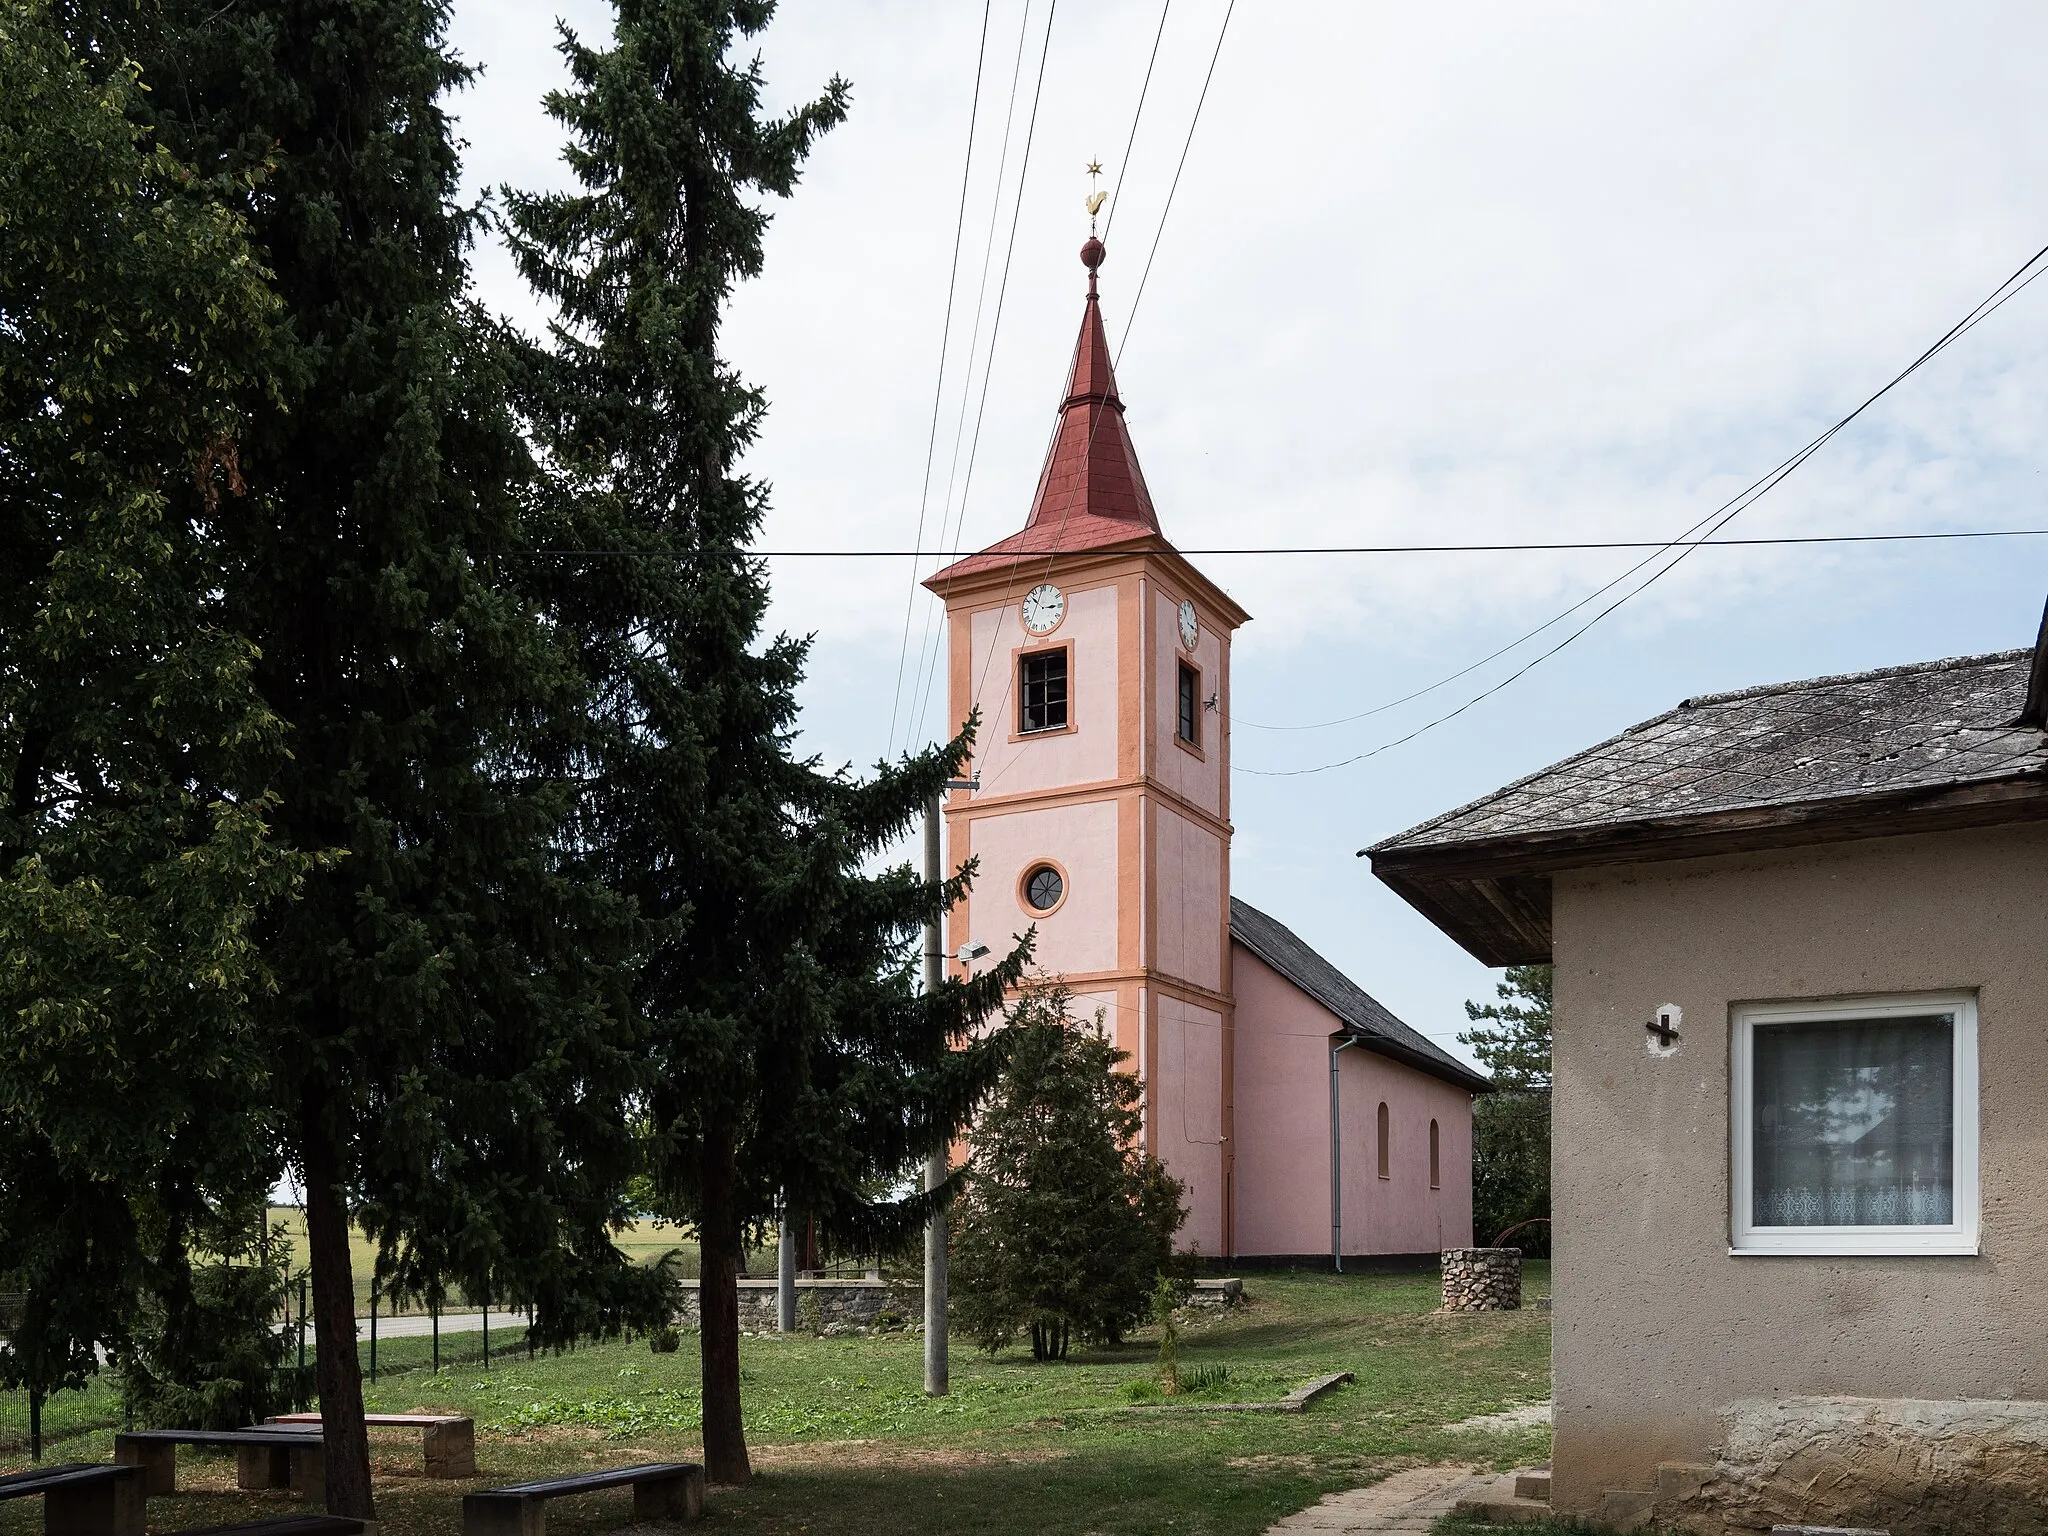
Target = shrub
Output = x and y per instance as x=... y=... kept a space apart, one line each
x=207 y=1353
x=1066 y=1222
x=665 y=1340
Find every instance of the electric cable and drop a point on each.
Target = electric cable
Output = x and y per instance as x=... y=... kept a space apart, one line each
x=1685 y=544
x=939 y=387
x=1123 y=168
x=1003 y=288
x=1335 y=549
x=988 y=251
x=1159 y=231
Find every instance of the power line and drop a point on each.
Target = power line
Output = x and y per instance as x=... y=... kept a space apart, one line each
x=1685 y=544
x=1002 y=295
x=1187 y=143
x=939 y=387
x=1130 y=321
x=1337 y=549
x=1123 y=168
x=988 y=254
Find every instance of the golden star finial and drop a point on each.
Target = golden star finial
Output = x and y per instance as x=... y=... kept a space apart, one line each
x=1094 y=167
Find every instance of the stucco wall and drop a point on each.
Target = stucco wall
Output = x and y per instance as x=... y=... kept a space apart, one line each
x=1189 y=900
x=1085 y=755
x=1080 y=935
x=1282 y=1145
x=1658 y=1328
x=1187 y=1101
x=1195 y=776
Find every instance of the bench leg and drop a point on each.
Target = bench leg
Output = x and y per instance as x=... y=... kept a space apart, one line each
x=112 y=1508
x=159 y=1464
x=486 y=1514
x=262 y=1466
x=670 y=1498
x=450 y=1449
x=308 y=1475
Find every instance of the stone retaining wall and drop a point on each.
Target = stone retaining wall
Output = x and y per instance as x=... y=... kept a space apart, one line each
x=1902 y=1464
x=1482 y=1279
x=854 y=1306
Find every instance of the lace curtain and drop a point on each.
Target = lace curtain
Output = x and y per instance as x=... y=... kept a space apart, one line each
x=1854 y=1123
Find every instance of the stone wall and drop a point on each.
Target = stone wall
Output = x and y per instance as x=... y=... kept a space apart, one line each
x=857 y=1306
x=1482 y=1279
x=1913 y=1467
x=829 y=1306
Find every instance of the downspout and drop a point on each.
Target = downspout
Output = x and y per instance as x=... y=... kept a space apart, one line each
x=1337 y=1043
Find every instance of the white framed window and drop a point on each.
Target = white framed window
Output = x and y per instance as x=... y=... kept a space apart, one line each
x=1853 y=1126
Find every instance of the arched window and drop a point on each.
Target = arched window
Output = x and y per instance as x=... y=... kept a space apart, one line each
x=1384 y=1161
x=1435 y=1167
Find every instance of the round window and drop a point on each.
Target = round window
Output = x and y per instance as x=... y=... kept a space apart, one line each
x=1043 y=888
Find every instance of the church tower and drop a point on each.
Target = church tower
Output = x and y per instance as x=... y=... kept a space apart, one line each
x=1099 y=659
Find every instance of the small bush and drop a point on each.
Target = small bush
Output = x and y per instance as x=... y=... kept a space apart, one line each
x=1205 y=1378
x=1143 y=1390
x=889 y=1320
x=665 y=1340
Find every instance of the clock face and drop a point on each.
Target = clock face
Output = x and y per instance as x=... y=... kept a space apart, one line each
x=1190 y=630
x=1044 y=606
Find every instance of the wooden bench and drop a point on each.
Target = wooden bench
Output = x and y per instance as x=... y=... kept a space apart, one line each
x=447 y=1440
x=264 y=1458
x=662 y=1490
x=82 y=1498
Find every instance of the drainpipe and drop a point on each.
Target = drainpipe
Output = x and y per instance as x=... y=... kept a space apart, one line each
x=1337 y=1043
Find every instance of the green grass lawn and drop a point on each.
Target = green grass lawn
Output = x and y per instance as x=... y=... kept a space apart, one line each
x=845 y=1439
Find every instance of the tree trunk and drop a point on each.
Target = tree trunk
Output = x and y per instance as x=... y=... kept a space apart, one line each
x=336 y=1369
x=718 y=1310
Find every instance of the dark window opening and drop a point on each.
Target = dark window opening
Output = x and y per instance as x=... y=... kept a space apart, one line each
x=1190 y=723
x=1043 y=888
x=1435 y=1167
x=1042 y=691
x=1385 y=1161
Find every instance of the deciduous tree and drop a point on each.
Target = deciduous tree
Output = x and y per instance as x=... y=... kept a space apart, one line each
x=137 y=849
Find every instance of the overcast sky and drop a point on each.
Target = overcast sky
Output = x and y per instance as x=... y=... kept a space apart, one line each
x=1434 y=274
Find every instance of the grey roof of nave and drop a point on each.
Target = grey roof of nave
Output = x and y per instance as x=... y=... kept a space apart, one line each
x=1362 y=1014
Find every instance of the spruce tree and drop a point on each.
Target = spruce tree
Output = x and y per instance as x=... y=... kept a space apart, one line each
x=1511 y=1126
x=1067 y=1224
x=136 y=851
x=789 y=1053
x=442 y=1055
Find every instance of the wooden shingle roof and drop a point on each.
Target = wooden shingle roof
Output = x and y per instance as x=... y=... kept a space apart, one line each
x=1901 y=749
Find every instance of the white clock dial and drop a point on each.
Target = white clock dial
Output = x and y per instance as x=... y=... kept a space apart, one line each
x=1190 y=629
x=1044 y=606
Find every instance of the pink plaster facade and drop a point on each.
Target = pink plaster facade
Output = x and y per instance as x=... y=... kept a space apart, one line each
x=1283 y=1172
x=1136 y=820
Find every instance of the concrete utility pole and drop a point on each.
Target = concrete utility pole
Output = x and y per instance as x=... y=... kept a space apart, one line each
x=937 y=1374
x=785 y=1272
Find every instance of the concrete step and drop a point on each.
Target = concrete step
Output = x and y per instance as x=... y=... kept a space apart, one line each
x=1502 y=1502
x=1533 y=1485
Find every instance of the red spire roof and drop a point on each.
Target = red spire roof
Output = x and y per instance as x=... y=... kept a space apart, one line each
x=1091 y=493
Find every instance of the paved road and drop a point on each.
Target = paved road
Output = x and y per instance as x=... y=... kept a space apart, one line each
x=417 y=1325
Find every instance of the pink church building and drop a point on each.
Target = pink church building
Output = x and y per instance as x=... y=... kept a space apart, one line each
x=1303 y=1117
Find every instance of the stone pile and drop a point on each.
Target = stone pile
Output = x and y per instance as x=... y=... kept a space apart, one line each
x=1482 y=1279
